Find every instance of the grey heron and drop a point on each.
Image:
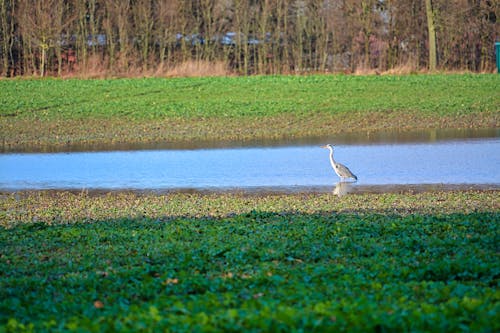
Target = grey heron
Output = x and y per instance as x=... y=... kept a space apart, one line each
x=341 y=170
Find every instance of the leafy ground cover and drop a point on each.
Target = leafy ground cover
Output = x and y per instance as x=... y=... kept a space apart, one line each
x=233 y=262
x=60 y=112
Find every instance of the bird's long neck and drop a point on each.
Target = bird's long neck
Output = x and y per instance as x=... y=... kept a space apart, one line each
x=332 y=161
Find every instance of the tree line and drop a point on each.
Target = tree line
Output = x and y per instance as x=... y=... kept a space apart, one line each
x=119 y=37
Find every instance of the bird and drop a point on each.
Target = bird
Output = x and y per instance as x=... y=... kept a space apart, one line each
x=341 y=170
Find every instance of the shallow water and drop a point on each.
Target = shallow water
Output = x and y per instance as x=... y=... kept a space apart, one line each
x=463 y=161
x=354 y=138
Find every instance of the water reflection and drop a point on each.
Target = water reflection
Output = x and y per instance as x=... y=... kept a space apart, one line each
x=343 y=188
x=352 y=138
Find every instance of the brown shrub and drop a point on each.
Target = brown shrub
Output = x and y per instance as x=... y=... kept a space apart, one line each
x=192 y=68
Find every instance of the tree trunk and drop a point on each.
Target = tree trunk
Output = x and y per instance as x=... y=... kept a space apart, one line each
x=432 y=35
x=6 y=35
x=59 y=60
x=81 y=44
x=42 y=59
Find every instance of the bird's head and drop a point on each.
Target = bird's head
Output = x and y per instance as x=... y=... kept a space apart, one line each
x=327 y=146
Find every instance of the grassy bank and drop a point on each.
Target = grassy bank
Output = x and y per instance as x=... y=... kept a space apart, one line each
x=192 y=262
x=59 y=112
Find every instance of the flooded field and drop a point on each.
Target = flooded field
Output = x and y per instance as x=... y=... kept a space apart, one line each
x=302 y=165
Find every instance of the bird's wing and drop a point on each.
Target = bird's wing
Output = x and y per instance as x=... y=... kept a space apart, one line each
x=344 y=171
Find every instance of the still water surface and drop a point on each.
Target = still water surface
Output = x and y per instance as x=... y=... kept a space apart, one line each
x=463 y=161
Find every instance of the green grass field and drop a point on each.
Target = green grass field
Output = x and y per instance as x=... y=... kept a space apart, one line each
x=304 y=262
x=58 y=112
x=233 y=262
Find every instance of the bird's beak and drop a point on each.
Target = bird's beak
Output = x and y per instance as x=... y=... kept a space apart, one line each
x=325 y=146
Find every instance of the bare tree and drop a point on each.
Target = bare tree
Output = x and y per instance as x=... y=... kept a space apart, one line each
x=7 y=8
x=143 y=24
x=250 y=36
x=166 y=18
x=43 y=24
x=117 y=26
x=89 y=37
x=432 y=35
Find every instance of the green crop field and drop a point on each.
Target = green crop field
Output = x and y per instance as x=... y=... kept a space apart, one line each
x=304 y=262
x=59 y=112
x=232 y=262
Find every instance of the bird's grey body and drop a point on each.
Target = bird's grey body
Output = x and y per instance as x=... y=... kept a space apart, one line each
x=341 y=170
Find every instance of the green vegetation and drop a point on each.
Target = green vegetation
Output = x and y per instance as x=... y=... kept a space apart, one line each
x=57 y=112
x=233 y=262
